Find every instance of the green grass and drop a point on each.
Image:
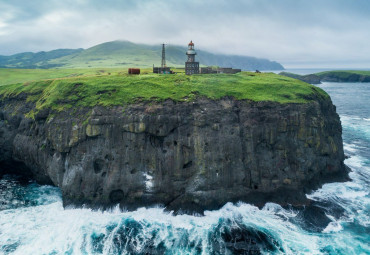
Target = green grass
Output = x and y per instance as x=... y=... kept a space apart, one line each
x=11 y=76
x=120 y=89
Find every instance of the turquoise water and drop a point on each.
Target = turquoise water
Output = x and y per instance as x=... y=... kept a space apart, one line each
x=33 y=221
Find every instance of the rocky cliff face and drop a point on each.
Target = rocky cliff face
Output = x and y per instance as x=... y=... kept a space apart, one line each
x=183 y=155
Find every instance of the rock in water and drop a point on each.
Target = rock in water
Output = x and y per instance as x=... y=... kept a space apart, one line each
x=187 y=156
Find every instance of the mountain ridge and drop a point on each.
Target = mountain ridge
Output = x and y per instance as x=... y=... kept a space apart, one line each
x=125 y=54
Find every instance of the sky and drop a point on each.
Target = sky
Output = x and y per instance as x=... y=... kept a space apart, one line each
x=296 y=33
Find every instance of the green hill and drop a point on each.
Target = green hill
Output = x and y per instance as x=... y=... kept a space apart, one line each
x=127 y=54
x=35 y=60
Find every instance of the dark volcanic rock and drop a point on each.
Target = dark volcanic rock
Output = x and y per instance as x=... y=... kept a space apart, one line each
x=233 y=237
x=183 y=155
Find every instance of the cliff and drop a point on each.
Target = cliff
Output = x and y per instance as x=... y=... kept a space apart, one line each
x=187 y=155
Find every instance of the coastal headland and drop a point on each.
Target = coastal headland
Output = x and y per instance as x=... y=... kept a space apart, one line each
x=188 y=143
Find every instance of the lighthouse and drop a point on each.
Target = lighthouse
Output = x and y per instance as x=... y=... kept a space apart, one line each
x=191 y=67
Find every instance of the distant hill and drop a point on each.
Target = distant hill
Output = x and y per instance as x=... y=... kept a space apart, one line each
x=35 y=60
x=124 y=54
x=332 y=76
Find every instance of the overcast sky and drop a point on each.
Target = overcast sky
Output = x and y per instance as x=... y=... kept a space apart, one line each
x=296 y=33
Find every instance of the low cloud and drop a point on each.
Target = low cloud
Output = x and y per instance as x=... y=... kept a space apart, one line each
x=295 y=33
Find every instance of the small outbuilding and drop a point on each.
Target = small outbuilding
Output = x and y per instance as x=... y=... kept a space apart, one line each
x=209 y=69
x=134 y=71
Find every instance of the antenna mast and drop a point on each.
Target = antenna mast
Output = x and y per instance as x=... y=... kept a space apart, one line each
x=163 y=64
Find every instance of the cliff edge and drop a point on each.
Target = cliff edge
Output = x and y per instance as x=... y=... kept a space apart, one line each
x=191 y=154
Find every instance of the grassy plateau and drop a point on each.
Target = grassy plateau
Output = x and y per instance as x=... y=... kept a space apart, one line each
x=111 y=87
x=11 y=76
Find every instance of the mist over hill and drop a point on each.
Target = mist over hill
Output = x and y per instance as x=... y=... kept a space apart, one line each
x=124 y=54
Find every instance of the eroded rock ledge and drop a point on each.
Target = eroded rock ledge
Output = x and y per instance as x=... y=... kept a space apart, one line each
x=187 y=156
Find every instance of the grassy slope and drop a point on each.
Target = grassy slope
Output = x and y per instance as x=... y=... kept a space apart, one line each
x=11 y=76
x=109 y=90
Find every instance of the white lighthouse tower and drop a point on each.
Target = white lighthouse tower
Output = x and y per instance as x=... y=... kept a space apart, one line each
x=191 y=67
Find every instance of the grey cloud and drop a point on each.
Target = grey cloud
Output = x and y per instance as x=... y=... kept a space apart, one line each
x=293 y=32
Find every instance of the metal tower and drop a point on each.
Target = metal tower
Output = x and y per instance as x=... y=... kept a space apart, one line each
x=163 y=64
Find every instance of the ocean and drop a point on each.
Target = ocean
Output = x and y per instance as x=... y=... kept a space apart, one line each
x=33 y=220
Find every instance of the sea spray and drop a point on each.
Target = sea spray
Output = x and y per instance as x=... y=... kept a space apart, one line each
x=47 y=228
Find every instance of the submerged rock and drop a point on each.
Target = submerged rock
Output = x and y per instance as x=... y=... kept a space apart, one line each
x=233 y=237
x=186 y=156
